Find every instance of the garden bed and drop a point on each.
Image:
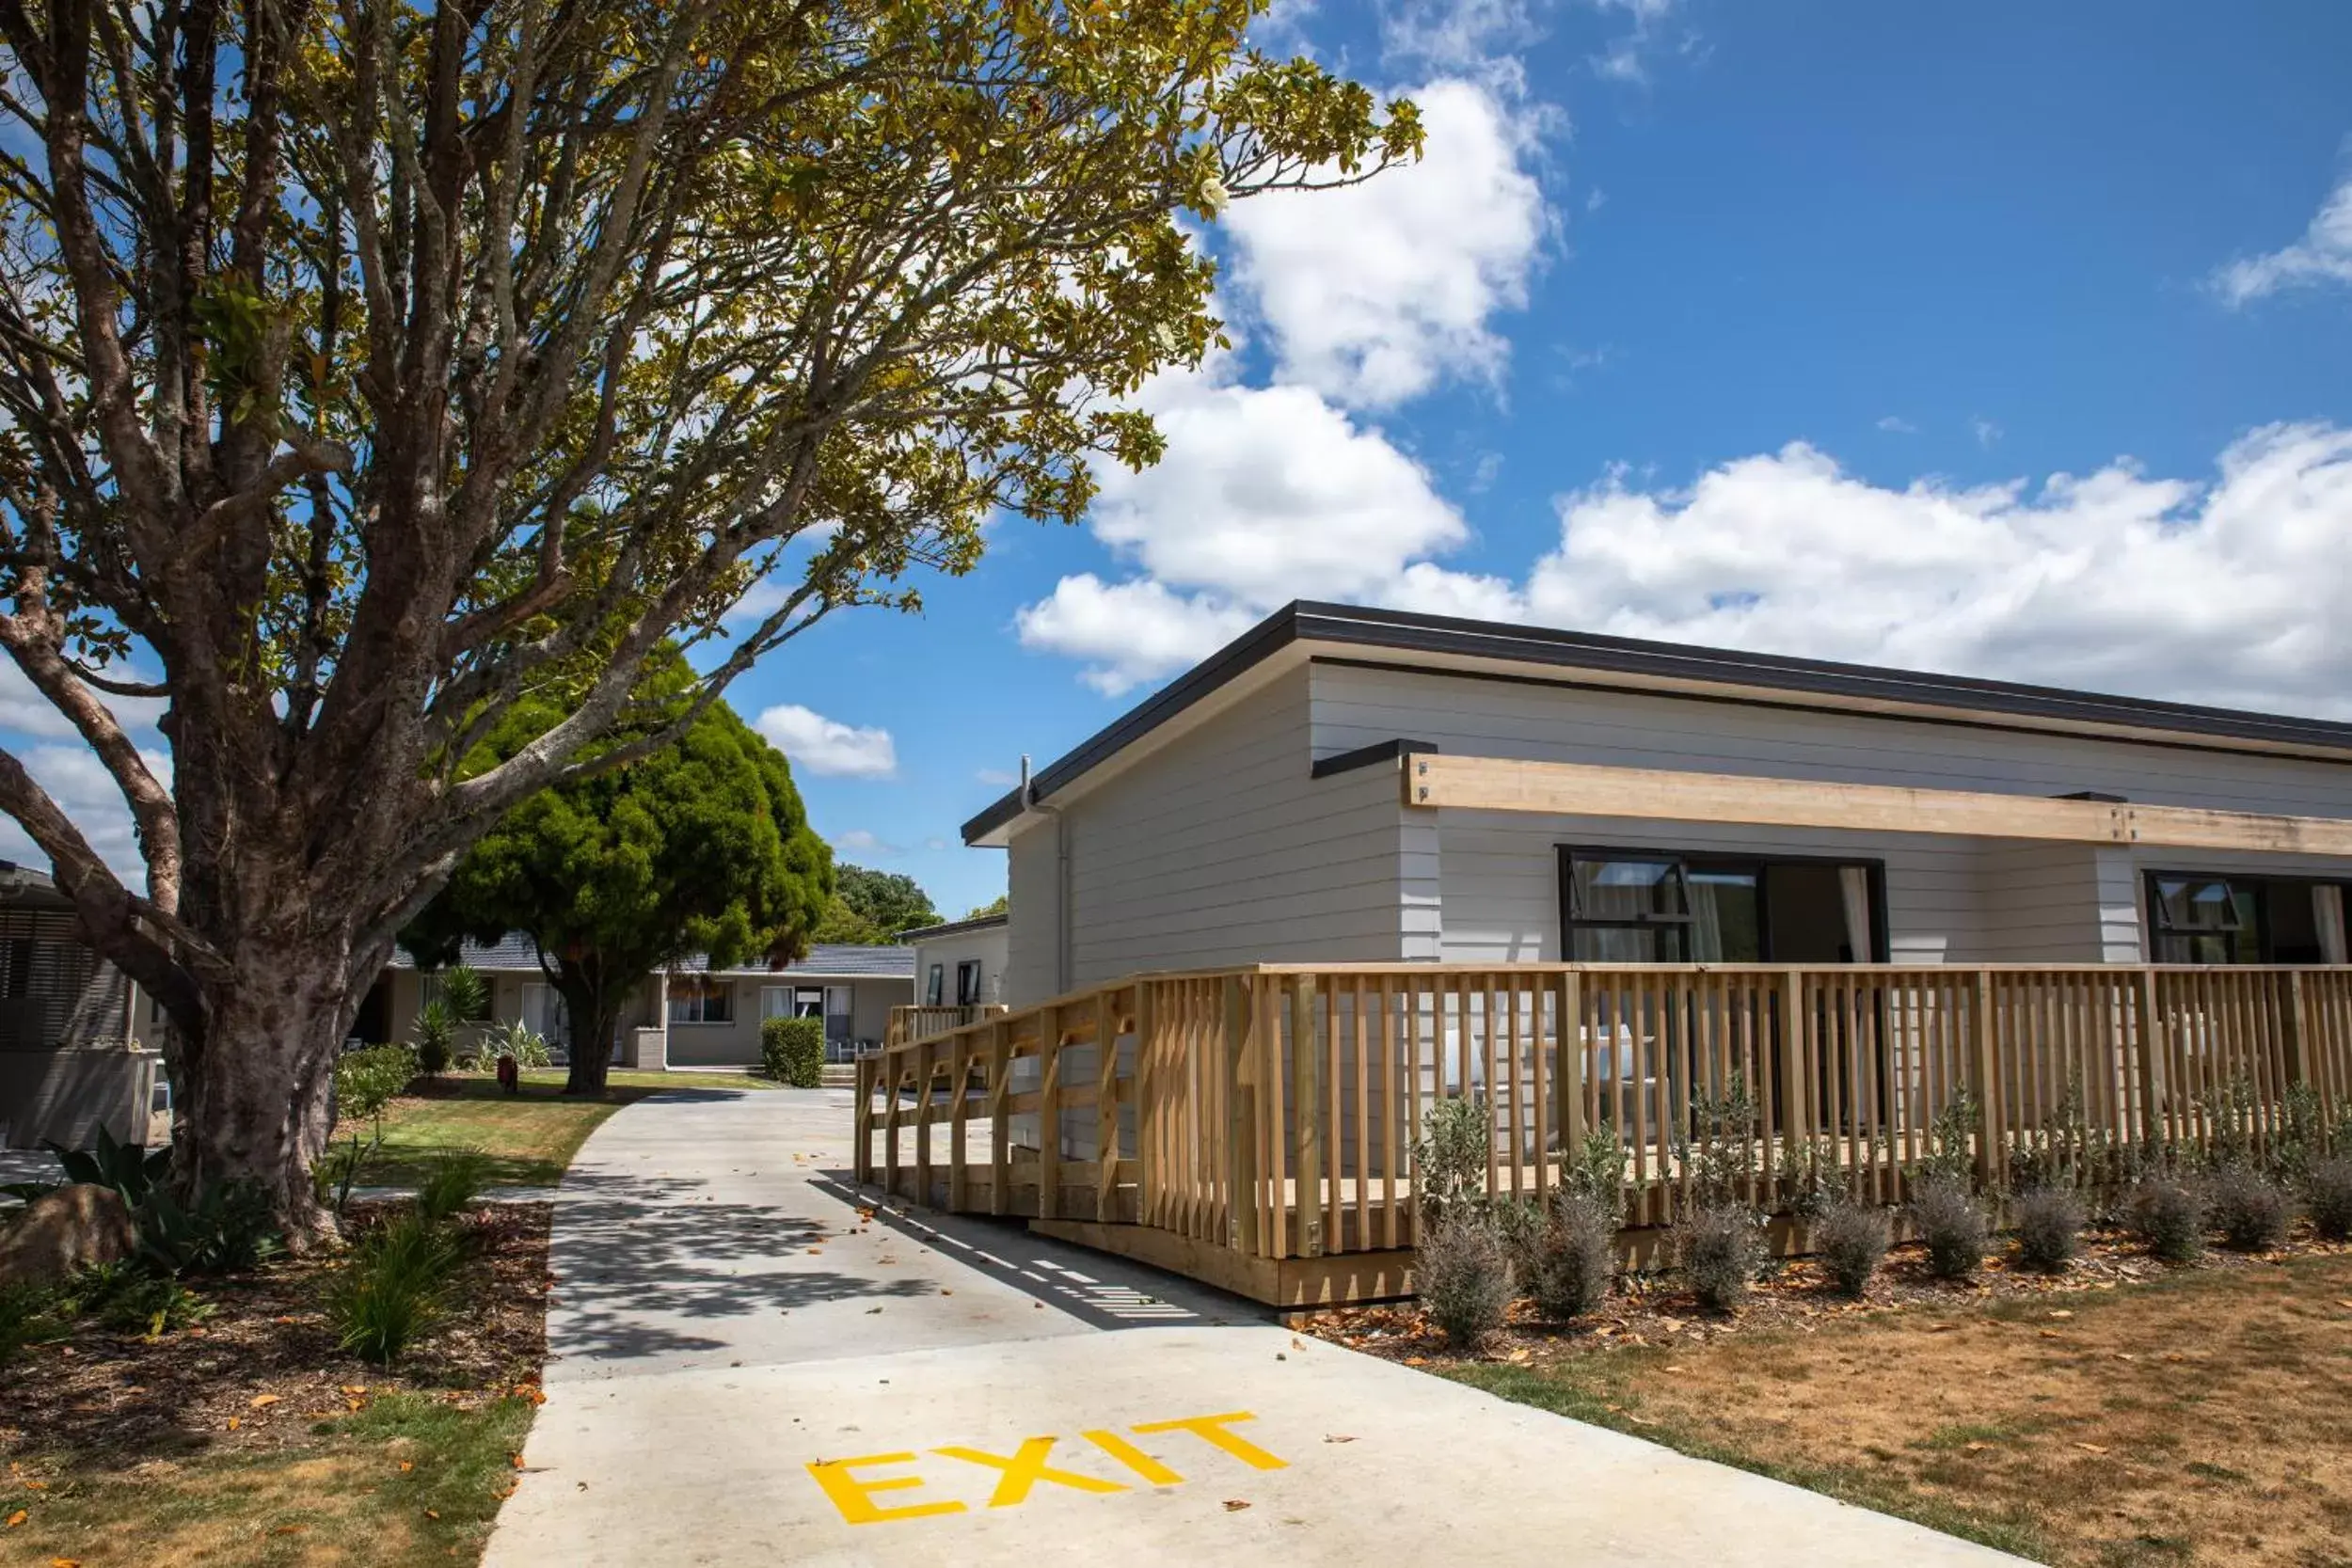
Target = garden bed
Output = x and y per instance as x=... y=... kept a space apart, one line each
x=2120 y=1412
x=249 y=1437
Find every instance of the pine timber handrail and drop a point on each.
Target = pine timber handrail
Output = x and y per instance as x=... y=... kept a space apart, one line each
x=1253 y=1115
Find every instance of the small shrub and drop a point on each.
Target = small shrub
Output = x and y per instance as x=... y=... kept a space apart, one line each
x=1450 y=1161
x=1519 y=1221
x=454 y=1181
x=2250 y=1210
x=433 y=1038
x=366 y=1083
x=1951 y=1227
x=1575 y=1254
x=1598 y=1171
x=1463 y=1274
x=2328 y=1193
x=228 y=1230
x=1720 y=1250
x=792 y=1051
x=2049 y=1228
x=1851 y=1237
x=2168 y=1217
x=392 y=1289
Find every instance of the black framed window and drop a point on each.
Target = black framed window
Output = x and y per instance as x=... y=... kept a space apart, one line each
x=701 y=1001
x=2196 y=917
x=1627 y=909
x=967 y=982
x=933 y=985
x=1664 y=906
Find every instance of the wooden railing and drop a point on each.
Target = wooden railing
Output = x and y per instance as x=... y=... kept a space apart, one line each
x=1273 y=1111
x=914 y=1022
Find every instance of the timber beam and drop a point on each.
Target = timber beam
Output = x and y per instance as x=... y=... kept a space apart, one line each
x=1586 y=789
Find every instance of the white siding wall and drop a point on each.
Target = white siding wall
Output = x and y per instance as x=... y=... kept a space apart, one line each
x=1032 y=937
x=1949 y=899
x=991 y=947
x=1220 y=850
x=1356 y=706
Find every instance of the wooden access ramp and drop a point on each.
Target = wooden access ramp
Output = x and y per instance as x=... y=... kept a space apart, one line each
x=1254 y=1128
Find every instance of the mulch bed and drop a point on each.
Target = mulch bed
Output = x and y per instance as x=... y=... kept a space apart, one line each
x=255 y=1374
x=1653 y=1309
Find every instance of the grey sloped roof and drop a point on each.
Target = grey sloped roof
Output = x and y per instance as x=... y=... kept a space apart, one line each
x=832 y=960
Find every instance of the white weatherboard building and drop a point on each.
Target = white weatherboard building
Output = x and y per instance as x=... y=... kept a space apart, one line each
x=1371 y=785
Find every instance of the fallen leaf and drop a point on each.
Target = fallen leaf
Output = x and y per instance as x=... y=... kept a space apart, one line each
x=2050 y=1334
x=2120 y=1355
x=518 y=1460
x=1235 y=1505
x=290 y=1529
x=1978 y=1447
x=1677 y=1369
x=407 y=1465
x=1297 y=1343
x=432 y=1513
x=233 y=1423
x=1416 y=1361
x=2063 y=1312
x=947 y=1292
x=262 y=1402
x=1942 y=1328
x=2091 y=1448
x=871 y=1310
x=17 y=1518
x=65 y=1563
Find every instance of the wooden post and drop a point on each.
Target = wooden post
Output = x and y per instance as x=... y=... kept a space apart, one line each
x=2155 y=1114
x=1989 y=1160
x=1241 y=1122
x=1049 y=1115
x=1796 y=1075
x=999 y=1119
x=1106 y=1023
x=1570 y=1077
x=959 y=1118
x=890 y=1124
x=1307 y=1117
x=862 y=1120
x=926 y=1066
x=1150 y=1112
x=2297 y=1024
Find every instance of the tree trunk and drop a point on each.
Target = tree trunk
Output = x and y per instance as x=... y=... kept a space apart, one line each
x=593 y=1010
x=252 y=1097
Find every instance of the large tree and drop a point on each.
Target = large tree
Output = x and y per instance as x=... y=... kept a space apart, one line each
x=368 y=368
x=701 y=847
x=874 y=906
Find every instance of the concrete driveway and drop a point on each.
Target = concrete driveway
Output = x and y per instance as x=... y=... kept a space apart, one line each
x=746 y=1370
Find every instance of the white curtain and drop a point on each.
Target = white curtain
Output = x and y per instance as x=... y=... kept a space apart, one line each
x=1853 y=885
x=2328 y=914
x=1706 y=923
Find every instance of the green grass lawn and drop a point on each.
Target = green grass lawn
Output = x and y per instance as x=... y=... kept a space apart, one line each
x=529 y=1137
x=410 y=1480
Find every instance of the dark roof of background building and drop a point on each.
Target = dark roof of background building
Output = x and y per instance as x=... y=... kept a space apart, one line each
x=832 y=960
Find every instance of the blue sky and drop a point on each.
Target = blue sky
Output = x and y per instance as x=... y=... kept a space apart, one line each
x=1952 y=251
x=2011 y=339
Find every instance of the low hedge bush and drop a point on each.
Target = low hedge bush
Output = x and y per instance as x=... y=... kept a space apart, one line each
x=792 y=1051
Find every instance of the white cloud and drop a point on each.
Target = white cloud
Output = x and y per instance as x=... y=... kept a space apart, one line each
x=1897 y=424
x=2324 y=255
x=1375 y=293
x=1130 y=632
x=1985 y=431
x=2232 y=592
x=86 y=793
x=826 y=747
x=864 y=842
x=1001 y=778
x=2228 y=589
x=24 y=710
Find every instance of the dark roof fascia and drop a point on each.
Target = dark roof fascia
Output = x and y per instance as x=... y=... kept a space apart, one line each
x=1404 y=632
x=1371 y=756
x=956 y=927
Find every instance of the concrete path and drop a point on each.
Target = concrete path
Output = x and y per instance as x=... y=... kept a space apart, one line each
x=752 y=1368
